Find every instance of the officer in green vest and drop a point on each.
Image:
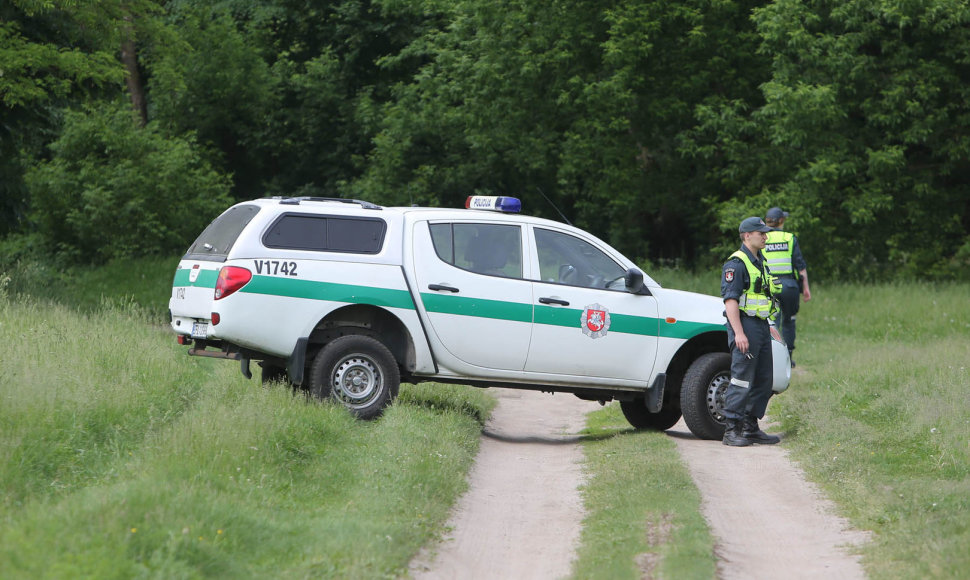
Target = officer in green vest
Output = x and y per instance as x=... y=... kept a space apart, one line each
x=747 y=290
x=786 y=263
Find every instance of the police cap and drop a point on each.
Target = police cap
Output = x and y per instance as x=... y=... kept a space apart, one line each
x=753 y=224
x=775 y=213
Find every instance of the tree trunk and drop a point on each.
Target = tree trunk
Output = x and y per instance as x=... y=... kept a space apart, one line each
x=133 y=79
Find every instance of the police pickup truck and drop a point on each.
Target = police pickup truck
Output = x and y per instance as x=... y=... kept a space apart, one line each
x=346 y=299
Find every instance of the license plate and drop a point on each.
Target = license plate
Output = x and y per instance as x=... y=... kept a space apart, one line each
x=200 y=329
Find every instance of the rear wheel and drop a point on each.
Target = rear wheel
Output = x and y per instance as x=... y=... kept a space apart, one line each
x=702 y=394
x=637 y=414
x=357 y=371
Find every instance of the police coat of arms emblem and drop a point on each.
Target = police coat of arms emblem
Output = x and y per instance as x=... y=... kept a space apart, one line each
x=595 y=321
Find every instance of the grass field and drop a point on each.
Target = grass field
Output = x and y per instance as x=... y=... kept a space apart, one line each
x=122 y=457
x=879 y=410
x=146 y=282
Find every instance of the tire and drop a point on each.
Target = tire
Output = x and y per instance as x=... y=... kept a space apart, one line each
x=358 y=372
x=702 y=394
x=637 y=414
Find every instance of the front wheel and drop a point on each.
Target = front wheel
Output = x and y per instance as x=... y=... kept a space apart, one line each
x=357 y=371
x=702 y=394
x=637 y=414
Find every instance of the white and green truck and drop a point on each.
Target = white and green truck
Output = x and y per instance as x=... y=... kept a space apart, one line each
x=347 y=299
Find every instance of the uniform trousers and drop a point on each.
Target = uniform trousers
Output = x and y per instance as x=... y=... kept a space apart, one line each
x=789 y=302
x=751 y=377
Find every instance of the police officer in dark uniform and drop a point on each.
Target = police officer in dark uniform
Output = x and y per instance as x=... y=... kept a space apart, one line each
x=747 y=289
x=785 y=262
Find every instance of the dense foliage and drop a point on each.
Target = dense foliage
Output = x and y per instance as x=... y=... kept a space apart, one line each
x=862 y=133
x=114 y=190
x=656 y=125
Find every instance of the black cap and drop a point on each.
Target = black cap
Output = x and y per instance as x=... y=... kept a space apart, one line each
x=775 y=213
x=753 y=224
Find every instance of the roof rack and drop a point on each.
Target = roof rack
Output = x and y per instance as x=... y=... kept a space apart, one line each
x=297 y=200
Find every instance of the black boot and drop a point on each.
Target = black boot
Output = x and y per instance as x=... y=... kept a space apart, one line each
x=754 y=434
x=732 y=434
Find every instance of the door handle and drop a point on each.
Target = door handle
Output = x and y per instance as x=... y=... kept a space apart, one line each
x=558 y=301
x=437 y=287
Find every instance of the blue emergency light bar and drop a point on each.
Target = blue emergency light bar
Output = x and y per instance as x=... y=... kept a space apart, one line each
x=494 y=203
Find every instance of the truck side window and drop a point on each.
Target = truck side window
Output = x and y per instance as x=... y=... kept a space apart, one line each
x=566 y=259
x=492 y=249
x=294 y=231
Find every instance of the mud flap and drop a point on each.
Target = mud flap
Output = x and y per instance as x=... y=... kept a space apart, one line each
x=655 y=396
x=297 y=362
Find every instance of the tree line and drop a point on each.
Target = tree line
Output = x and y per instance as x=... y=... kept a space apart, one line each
x=126 y=125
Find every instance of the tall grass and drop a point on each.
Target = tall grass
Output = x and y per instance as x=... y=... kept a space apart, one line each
x=121 y=457
x=146 y=282
x=681 y=279
x=878 y=414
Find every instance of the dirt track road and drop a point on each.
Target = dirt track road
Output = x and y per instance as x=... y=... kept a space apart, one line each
x=785 y=530
x=521 y=517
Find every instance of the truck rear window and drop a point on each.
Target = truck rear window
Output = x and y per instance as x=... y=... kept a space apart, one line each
x=326 y=234
x=216 y=240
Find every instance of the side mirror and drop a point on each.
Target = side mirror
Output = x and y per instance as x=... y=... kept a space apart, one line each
x=634 y=281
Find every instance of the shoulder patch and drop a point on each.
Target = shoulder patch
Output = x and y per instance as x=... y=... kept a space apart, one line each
x=729 y=275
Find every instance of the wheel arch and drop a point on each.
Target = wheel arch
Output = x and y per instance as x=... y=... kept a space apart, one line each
x=368 y=320
x=700 y=344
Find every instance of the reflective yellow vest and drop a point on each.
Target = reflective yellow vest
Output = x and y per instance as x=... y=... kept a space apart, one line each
x=756 y=300
x=778 y=251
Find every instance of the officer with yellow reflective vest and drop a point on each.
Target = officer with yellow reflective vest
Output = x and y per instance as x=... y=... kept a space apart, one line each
x=748 y=291
x=785 y=261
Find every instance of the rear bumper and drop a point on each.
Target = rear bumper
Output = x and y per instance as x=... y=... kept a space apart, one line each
x=295 y=364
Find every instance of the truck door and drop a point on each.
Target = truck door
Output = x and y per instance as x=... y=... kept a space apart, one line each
x=587 y=325
x=472 y=287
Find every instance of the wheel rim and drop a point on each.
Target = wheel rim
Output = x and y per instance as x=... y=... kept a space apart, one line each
x=356 y=381
x=716 y=390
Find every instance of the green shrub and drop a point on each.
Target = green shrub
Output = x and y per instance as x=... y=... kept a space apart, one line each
x=115 y=190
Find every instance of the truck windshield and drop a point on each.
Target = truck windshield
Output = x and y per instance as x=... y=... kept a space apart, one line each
x=215 y=242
